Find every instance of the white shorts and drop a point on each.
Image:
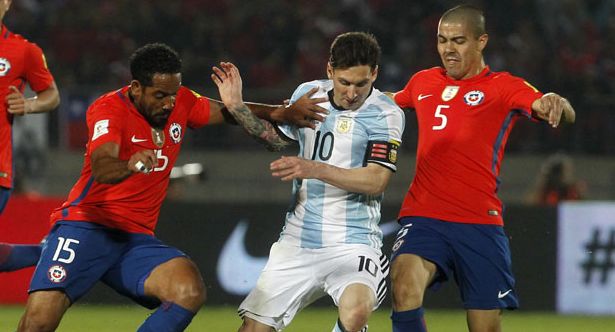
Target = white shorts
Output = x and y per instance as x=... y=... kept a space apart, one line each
x=295 y=277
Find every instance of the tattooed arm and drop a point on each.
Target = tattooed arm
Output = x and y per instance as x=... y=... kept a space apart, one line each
x=229 y=84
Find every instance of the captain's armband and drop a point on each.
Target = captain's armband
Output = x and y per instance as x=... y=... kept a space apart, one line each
x=383 y=153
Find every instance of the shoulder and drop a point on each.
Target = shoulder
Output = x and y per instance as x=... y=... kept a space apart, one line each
x=25 y=43
x=503 y=77
x=430 y=72
x=186 y=95
x=384 y=105
x=383 y=101
x=322 y=85
x=108 y=103
x=506 y=81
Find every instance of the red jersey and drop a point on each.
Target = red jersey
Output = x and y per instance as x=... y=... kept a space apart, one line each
x=20 y=61
x=132 y=205
x=463 y=128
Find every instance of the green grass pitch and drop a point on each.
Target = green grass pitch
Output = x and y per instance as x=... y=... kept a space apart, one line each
x=99 y=318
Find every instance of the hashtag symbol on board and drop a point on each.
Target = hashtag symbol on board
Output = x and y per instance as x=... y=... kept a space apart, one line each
x=599 y=257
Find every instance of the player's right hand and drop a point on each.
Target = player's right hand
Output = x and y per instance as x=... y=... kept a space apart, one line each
x=16 y=102
x=303 y=112
x=143 y=161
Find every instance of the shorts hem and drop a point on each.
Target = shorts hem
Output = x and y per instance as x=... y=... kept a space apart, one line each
x=262 y=320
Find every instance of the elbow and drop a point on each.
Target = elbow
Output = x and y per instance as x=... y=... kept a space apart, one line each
x=55 y=103
x=274 y=147
x=105 y=179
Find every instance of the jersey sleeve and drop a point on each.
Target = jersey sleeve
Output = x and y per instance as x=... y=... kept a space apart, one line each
x=199 y=108
x=403 y=98
x=104 y=125
x=519 y=94
x=37 y=74
x=385 y=138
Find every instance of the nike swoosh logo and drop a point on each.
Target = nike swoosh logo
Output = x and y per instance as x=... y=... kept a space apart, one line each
x=501 y=295
x=137 y=140
x=238 y=271
x=422 y=96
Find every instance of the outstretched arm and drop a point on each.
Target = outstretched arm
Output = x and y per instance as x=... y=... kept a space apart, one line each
x=303 y=113
x=44 y=101
x=371 y=179
x=229 y=84
x=553 y=108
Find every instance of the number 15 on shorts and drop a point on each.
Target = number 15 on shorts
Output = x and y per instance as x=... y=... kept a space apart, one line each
x=65 y=251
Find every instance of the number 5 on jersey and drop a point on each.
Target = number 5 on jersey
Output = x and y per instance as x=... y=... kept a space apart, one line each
x=441 y=116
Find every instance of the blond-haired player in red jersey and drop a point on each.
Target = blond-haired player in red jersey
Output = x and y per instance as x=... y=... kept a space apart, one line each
x=451 y=216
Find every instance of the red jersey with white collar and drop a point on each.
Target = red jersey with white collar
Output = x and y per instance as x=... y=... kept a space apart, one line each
x=463 y=128
x=21 y=62
x=132 y=205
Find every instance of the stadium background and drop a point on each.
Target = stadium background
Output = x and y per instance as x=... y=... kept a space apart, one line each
x=567 y=46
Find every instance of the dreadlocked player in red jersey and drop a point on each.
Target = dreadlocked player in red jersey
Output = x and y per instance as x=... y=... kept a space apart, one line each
x=451 y=217
x=104 y=231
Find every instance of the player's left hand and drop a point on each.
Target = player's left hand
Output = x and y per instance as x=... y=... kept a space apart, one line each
x=16 y=102
x=229 y=83
x=289 y=168
x=552 y=107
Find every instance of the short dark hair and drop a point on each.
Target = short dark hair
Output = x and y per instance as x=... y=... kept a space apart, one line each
x=151 y=59
x=354 y=49
x=472 y=15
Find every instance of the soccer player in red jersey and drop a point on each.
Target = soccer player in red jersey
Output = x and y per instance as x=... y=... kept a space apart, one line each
x=451 y=216
x=104 y=231
x=21 y=62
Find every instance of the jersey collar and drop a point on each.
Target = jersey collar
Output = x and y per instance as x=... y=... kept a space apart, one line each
x=484 y=73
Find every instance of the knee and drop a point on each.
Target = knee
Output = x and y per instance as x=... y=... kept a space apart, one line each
x=407 y=292
x=36 y=323
x=189 y=293
x=406 y=295
x=355 y=318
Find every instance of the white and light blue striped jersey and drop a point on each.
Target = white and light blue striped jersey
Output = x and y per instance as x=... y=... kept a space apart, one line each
x=323 y=215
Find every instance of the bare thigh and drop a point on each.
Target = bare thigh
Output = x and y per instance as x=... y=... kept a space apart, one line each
x=410 y=276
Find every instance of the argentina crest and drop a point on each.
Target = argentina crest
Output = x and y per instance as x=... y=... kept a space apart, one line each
x=344 y=124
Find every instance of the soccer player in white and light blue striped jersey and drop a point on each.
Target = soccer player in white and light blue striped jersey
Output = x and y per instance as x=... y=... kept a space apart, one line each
x=331 y=241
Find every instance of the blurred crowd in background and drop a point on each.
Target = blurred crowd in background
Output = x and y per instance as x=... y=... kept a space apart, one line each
x=567 y=46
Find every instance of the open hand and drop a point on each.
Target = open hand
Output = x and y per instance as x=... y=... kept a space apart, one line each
x=289 y=168
x=229 y=83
